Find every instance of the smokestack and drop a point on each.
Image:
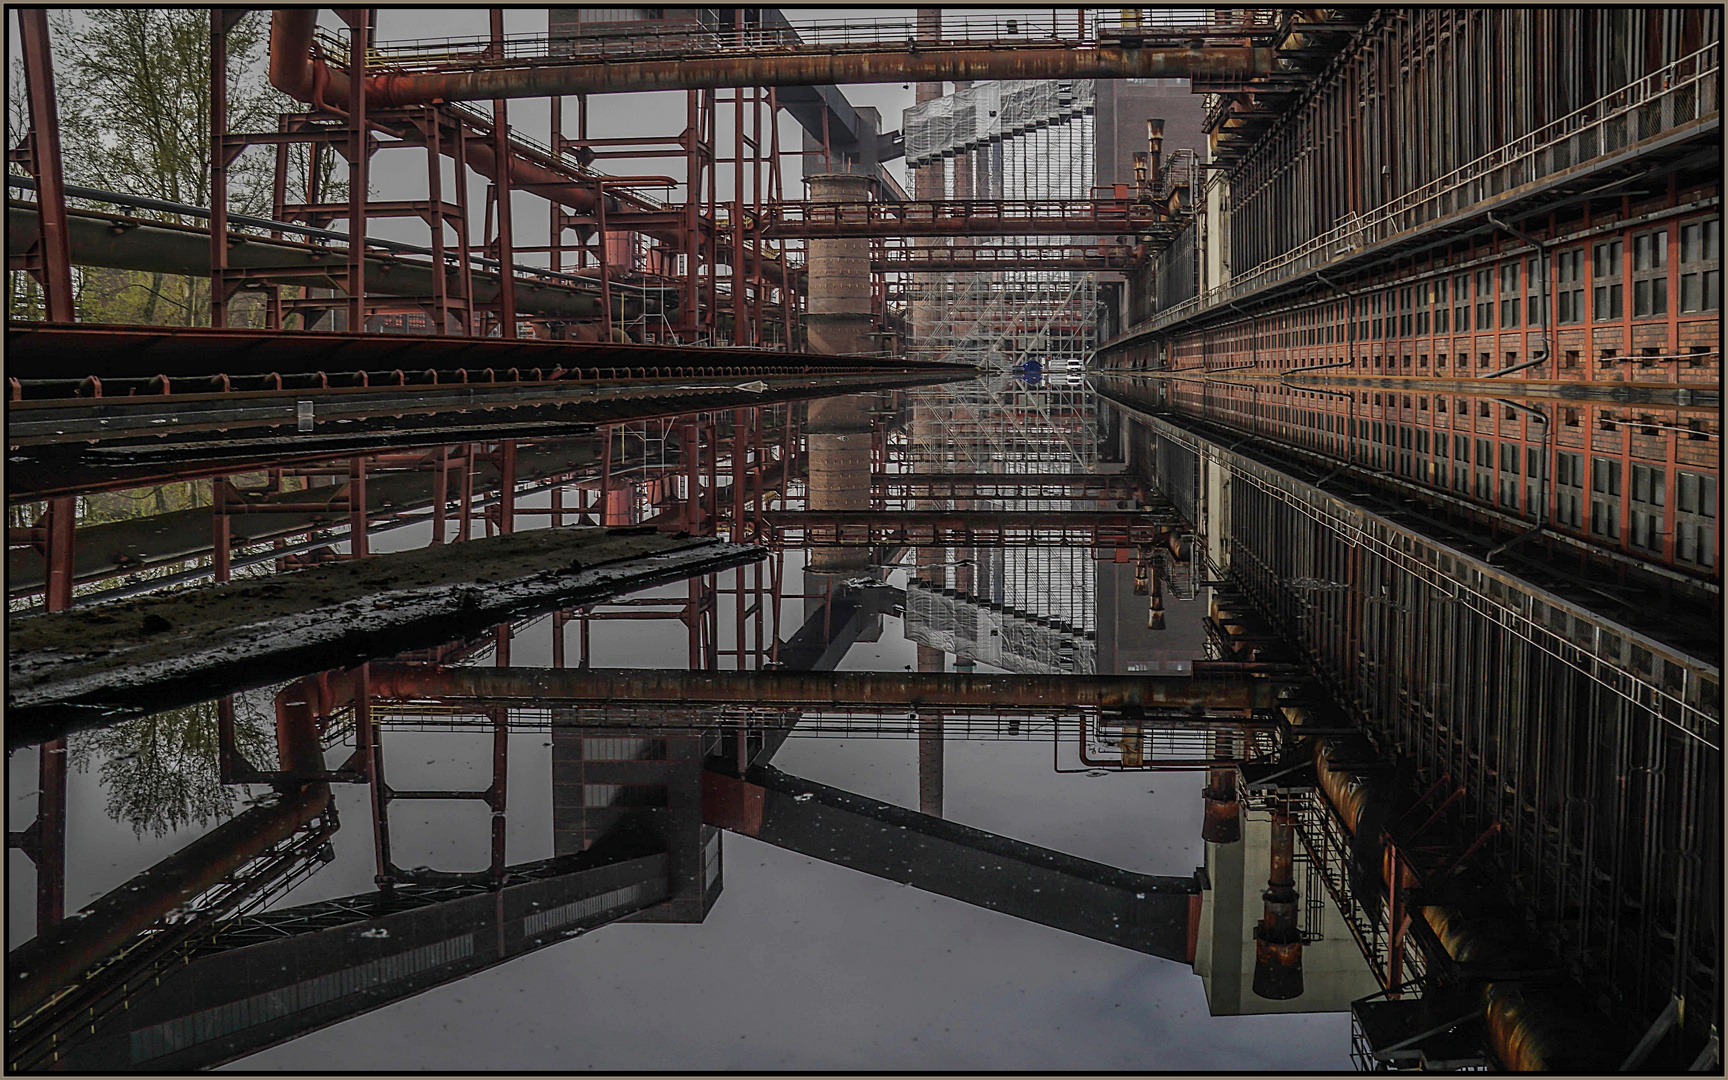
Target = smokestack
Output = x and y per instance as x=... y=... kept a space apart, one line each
x=1278 y=940
x=1155 y=150
x=1154 y=599
x=1223 y=821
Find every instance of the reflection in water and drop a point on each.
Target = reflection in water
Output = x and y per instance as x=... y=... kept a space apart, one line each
x=1123 y=774
x=162 y=773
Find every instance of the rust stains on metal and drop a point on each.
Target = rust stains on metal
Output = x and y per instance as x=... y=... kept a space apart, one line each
x=1210 y=687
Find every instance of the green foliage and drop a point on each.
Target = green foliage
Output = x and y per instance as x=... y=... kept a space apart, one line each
x=133 y=92
x=134 y=96
x=161 y=771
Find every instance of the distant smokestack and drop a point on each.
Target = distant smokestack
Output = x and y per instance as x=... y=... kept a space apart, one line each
x=1223 y=821
x=1155 y=149
x=1278 y=940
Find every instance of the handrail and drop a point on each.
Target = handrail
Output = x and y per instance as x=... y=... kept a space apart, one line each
x=1695 y=69
x=639 y=38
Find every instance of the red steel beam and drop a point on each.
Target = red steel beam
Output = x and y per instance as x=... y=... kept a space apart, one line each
x=964 y=217
x=54 y=251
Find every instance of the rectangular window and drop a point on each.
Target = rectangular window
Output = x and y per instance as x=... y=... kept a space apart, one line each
x=1509 y=291
x=600 y=796
x=1605 y=279
x=1695 y=518
x=1649 y=500
x=1650 y=274
x=1569 y=489
x=1605 y=498
x=1485 y=299
x=1533 y=303
x=623 y=749
x=1701 y=265
x=1461 y=303
x=1569 y=291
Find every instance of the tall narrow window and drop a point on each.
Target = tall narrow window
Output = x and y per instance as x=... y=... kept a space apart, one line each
x=1605 y=279
x=1569 y=293
x=1649 y=500
x=1485 y=299
x=1695 y=518
x=1701 y=265
x=1569 y=489
x=1650 y=274
x=1509 y=292
x=1605 y=497
x=1461 y=304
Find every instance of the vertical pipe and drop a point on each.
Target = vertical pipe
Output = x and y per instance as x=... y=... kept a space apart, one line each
x=506 y=232
x=359 y=167
x=221 y=539
x=53 y=240
x=357 y=545
x=441 y=491
x=1278 y=938
x=220 y=21
x=507 y=487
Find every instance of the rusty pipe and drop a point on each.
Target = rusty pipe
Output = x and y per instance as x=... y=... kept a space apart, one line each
x=1222 y=689
x=1278 y=938
x=1222 y=823
x=818 y=69
x=297 y=72
x=1155 y=150
x=294 y=70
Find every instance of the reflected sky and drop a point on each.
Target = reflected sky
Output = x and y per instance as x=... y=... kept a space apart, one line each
x=799 y=964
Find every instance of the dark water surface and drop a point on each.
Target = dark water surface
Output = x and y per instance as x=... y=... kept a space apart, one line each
x=772 y=958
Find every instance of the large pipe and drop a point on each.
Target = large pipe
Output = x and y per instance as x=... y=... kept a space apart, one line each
x=122 y=243
x=1278 y=938
x=819 y=68
x=295 y=71
x=1539 y=1027
x=1226 y=689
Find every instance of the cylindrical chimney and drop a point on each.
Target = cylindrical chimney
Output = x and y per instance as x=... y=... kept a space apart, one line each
x=1155 y=150
x=1278 y=938
x=1223 y=821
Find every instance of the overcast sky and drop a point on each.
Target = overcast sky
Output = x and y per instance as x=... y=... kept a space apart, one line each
x=801 y=965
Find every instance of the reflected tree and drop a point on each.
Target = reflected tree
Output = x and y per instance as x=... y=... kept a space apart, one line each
x=161 y=771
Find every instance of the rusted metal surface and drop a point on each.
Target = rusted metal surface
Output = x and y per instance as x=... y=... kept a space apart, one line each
x=1223 y=687
x=56 y=957
x=93 y=666
x=1278 y=937
x=61 y=352
x=966 y=527
x=963 y=217
x=294 y=69
x=127 y=243
x=49 y=258
x=1007 y=257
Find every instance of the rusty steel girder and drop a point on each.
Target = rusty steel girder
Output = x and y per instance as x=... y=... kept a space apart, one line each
x=965 y=217
x=296 y=70
x=968 y=527
x=1211 y=687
